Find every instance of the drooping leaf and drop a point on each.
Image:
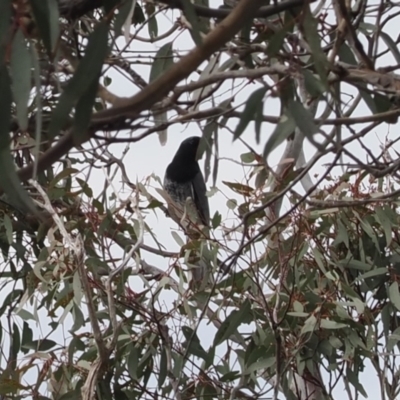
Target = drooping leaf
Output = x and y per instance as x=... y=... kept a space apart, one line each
x=124 y=16
x=160 y=121
x=313 y=83
x=282 y=131
x=85 y=75
x=83 y=112
x=386 y=223
x=152 y=21
x=251 y=109
x=5 y=23
x=230 y=325
x=390 y=43
x=211 y=67
x=163 y=60
x=194 y=345
x=276 y=41
x=46 y=15
x=310 y=26
x=303 y=118
x=193 y=19
x=9 y=181
x=394 y=295
x=20 y=69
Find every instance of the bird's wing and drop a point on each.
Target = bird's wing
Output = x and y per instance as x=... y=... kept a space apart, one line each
x=200 y=198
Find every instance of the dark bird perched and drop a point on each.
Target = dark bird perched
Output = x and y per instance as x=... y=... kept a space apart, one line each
x=186 y=189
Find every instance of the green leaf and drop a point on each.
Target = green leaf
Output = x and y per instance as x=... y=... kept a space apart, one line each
x=45 y=344
x=20 y=69
x=46 y=15
x=390 y=43
x=234 y=320
x=160 y=120
x=83 y=112
x=329 y=324
x=5 y=23
x=178 y=239
x=312 y=83
x=79 y=319
x=394 y=295
x=163 y=367
x=366 y=96
x=123 y=12
x=163 y=60
x=193 y=19
x=194 y=345
x=356 y=264
x=216 y=221
x=309 y=325
x=247 y=158
x=65 y=173
x=386 y=223
x=346 y=55
x=303 y=118
x=9 y=180
x=231 y=204
x=86 y=74
x=354 y=379
x=152 y=21
x=251 y=109
x=27 y=338
x=261 y=365
x=16 y=341
x=276 y=41
x=310 y=26
x=9 y=228
x=374 y=272
x=133 y=362
x=239 y=188
x=282 y=131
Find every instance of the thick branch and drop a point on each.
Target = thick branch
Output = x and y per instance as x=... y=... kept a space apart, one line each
x=158 y=89
x=77 y=8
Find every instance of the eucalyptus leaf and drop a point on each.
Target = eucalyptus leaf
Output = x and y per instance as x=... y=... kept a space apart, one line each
x=20 y=69
x=86 y=74
x=163 y=60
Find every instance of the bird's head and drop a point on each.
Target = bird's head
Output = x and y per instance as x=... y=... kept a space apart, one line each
x=188 y=149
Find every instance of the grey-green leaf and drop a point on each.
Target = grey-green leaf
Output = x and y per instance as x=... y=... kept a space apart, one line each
x=87 y=72
x=394 y=295
x=193 y=19
x=9 y=180
x=233 y=321
x=282 y=131
x=313 y=39
x=46 y=15
x=391 y=45
x=303 y=118
x=20 y=69
x=250 y=111
x=163 y=60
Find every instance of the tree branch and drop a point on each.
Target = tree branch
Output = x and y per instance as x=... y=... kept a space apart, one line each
x=77 y=8
x=158 y=89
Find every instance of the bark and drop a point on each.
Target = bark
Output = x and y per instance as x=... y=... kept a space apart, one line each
x=77 y=8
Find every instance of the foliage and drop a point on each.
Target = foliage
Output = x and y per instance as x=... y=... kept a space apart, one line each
x=303 y=296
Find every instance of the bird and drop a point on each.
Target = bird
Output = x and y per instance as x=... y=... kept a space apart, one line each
x=187 y=202
x=185 y=185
